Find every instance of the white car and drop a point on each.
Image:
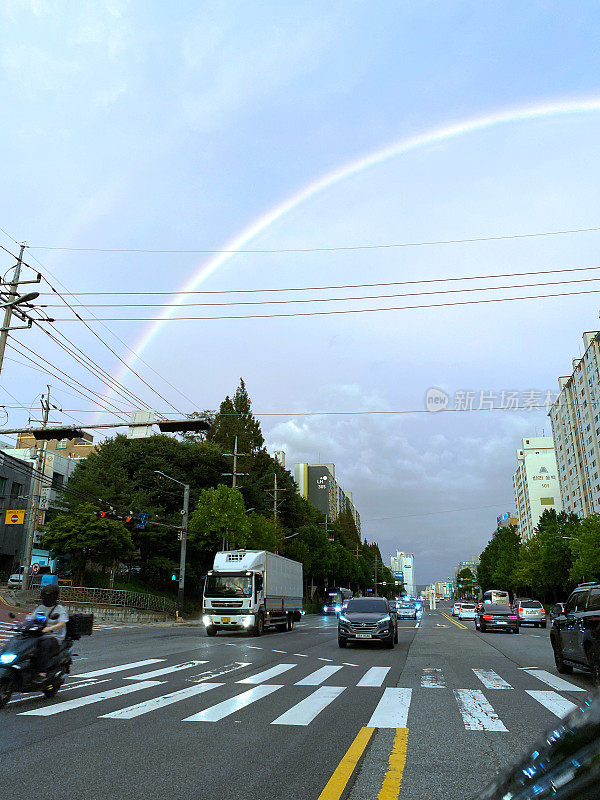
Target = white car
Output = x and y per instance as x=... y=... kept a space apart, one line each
x=15 y=581
x=467 y=611
x=456 y=609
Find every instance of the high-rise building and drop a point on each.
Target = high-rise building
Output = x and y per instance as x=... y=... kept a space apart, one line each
x=575 y=418
x=402 y=566
x=317 y=484
x=535 y=483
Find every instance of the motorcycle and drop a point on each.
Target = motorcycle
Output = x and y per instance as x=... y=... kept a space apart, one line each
x=18 y=672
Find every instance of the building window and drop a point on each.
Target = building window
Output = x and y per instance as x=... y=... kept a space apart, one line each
x=62 y=445
x=2 y=485
x=58 y=480
x=16 y=490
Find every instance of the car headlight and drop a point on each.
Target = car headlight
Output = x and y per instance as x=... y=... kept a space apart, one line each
x=324 y=608
x=344 y=619
x=8 y=658
x=247 y=621
x=387 y=618
x=338 y=609
x=207 y=620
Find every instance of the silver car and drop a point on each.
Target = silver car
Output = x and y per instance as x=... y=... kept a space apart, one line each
x=531 y=612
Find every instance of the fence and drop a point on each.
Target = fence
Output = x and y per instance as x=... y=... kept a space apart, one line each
x=120 y=598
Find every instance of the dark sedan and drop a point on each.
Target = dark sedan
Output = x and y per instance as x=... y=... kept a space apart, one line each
x=368 y=619
x=497 y=618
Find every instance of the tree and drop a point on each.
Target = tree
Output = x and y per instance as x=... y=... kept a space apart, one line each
x=235 y=418
x=464 y=582
x=264 y=534
x=544 y=562
x=585 y=546
x=220 y=515
x=498 y=561
x=84 y=536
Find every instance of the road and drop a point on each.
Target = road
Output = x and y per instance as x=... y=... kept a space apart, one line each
x=163 y=711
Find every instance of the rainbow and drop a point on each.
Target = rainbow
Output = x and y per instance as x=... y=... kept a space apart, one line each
x=430 y=137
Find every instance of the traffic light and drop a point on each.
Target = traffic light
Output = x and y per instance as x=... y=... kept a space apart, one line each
x=173 y=576
x=127 y=519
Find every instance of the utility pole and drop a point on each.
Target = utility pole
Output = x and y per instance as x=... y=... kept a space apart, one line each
x=235 y=474
x=276 y=501
x=182 y=537
x=36 y=487
x=13 y=293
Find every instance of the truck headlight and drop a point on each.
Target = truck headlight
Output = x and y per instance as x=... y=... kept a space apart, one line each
x=207 y=620
x=247 y=621
x=8 y=658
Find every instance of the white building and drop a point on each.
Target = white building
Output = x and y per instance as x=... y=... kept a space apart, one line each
x=575 y=418
x=403 y=564
x=535 y=483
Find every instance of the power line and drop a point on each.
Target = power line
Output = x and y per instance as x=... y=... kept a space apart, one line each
x=338 y=311
x=326 y=288
x=339 y=299
x=318 y=249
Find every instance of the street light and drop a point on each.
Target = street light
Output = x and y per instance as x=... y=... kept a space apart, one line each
x=24 y=298
x=184 y=528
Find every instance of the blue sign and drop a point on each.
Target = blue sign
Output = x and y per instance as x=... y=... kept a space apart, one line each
x=140 y=525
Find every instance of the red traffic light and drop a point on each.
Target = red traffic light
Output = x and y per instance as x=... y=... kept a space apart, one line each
x=103 y=513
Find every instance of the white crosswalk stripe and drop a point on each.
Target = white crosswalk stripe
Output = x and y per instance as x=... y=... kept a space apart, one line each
x=318 y=676
x=374 y=676
x=392 y=709
x=69 y=705
x=237 y=703
x=267 y=674
x=476 y=711
x=119 y=668
x=558 y=705
x=554 y=681
x=432 y=678
x=491 y=679
x=306 y=710
x=160 y=702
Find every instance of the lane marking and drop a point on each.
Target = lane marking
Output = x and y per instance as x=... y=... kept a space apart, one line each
x=335 y=786
x=554 y=681
x=556 y=704
x=156 y=673
x=306 y=710
x=119 y=668
x=68 y=705
x=491 y=679
x=348 y=664
x=209 y=674
x=300 y=655
x=477 y=713
x=279 y=651
x=318 y=676
x=432 y=678
x=227 y=707
x=392 y=781
x=261 y=677
x=392 y=709
x=374 y=676
x=254 y=647
x=453 y=621
x=324 y=659
x=160 y=702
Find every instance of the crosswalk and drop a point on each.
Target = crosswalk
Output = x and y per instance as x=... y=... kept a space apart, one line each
x=7 y=629
x=313 y=688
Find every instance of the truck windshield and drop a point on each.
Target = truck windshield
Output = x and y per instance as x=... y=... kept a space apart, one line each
x=228 y=586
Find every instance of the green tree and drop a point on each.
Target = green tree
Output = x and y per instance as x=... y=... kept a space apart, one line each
x=220 y=515
x=235 y=418
x=464 y=582
x=82 y=535
x=544 y=563
x=264 y=534
x=585 y=547
x=498 y=561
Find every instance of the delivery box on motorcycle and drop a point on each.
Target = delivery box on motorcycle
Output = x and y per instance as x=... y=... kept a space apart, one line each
x=80 y=625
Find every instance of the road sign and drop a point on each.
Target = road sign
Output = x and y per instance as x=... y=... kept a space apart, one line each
x=35 y=568
x=140 y=525
x=14 y=517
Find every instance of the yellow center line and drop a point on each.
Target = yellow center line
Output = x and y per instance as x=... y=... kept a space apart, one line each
x=459 y=624
x=2 y=600
x=390 y=787
x=337 y=783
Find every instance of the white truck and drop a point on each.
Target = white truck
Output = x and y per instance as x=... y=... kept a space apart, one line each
x=252 y=590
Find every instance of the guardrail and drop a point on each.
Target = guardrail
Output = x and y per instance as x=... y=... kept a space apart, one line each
x=121 y=598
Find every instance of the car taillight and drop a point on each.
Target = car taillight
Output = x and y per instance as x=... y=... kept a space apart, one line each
x=488 y=616
x=512 y=616
x=520 y=610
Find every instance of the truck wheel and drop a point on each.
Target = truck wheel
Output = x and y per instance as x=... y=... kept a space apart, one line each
x=259 y=625
x=6 y=689
x=211 y=630
x=290 y=622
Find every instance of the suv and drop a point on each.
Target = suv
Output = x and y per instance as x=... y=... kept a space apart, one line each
x=530 y=612
x=575 y=634
x=368 y=618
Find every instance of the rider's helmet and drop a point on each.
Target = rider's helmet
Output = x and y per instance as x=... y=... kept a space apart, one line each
x=49 y=595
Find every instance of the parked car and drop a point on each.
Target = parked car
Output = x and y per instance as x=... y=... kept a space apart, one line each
x=497 y=617
x=467 y=611
x=575 y=634
x=15 y=581
x=370 y=619
x=531 y=612
x=406 y=610
x=456 y=609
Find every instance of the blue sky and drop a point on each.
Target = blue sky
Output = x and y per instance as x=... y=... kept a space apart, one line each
x=142 y=125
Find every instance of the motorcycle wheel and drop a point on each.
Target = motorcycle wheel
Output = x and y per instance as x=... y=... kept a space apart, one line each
x=6 y=690
x=51 y=691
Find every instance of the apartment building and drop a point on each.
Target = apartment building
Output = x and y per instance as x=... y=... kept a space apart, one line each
x=317 y=484
x=535 y=483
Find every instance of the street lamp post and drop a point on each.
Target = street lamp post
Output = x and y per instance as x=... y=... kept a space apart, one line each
x=184 y=530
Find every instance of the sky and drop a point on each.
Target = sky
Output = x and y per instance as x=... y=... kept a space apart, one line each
x=189 y=126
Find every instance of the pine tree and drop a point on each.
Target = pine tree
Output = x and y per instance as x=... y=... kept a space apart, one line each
x=235 y=418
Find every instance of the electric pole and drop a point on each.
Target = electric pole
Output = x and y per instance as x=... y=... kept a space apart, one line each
x=276 y=501
x=235 y=474
x=13 y=293
x=184 y=530
x=36 y=488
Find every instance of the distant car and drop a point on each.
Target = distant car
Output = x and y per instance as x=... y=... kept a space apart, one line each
x=575 y=634
x=406 y=610
x=467 y=611
x=15 y=581
x=531 y=612
x=496 y=617
x=369 y=619
x=456 y=609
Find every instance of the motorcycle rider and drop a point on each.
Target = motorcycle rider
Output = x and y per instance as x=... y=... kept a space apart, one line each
x=54 y=630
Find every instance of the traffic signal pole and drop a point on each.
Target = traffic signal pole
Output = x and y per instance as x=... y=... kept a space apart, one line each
x=184 y=530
